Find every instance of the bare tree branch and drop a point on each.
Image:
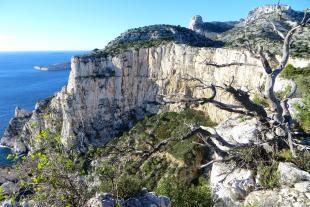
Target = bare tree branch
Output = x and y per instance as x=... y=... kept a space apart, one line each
x=275 y=29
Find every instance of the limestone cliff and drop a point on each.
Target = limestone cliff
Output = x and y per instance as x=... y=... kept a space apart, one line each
x=104 y=96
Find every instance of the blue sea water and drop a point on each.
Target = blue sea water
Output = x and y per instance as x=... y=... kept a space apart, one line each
x=21 y=85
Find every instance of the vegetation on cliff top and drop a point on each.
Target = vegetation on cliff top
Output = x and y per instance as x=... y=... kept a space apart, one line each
x=122 y=47
x=302 y=78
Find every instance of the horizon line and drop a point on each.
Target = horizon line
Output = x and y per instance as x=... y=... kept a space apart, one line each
x=79 y=50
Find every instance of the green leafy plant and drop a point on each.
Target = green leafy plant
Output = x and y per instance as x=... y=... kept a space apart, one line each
x=269 y=176
x=184 y=194
x=260 y=100
x=304 y=113
x=286 y=155
x=302 y=160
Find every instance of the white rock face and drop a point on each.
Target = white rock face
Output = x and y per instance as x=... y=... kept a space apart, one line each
x=278 y=198
x=260 y=11
x=235 y=186
x=109 y=92
x=303 y=187
x=297 y=62
x=195 y=22
x=290 y=174
x=238 y=131
x=105 y=95
x=230 y=185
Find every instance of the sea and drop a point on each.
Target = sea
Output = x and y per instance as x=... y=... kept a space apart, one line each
x=22 y=85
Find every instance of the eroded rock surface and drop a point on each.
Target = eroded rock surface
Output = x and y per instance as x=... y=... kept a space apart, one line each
x=106 y=95
x=147 y=199
x=233 y=185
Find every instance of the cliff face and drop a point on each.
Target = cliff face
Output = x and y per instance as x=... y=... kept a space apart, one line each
x=111 y=92
x=106 y=95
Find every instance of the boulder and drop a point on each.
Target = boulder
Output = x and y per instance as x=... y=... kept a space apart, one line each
x=8 y=188
x=291 y=174
x=277 y=198
x=303 y=186
x=230 y=185
x=146 y=199
x=238 y=131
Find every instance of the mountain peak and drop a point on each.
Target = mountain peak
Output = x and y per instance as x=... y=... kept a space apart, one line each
x=259 y=12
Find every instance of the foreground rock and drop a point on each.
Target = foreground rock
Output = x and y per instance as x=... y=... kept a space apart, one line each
x=147 y=199
x=278 y=198
x=236 y=186
x=291 y=174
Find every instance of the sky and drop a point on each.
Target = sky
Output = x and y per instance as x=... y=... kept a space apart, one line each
x=42 y=25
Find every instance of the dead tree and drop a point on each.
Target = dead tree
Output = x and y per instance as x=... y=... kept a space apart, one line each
x=278 y=123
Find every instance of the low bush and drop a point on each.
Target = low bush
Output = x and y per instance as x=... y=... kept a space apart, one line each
x=128 y=186
x=304 y=113
x=302 y=160
x=186 y=195
x=260 y=100
x=269 y=176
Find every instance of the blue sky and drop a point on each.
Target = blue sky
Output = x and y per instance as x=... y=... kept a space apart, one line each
x=27 y=25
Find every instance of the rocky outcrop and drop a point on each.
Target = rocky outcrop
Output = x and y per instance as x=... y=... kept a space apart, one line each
x=12 y=134
x=147 y=199
x=230 y=185
x=236 y=186
x=291 y=174
x=285 y=11
x=209 y=29
x=257 y=30
x=278 y=198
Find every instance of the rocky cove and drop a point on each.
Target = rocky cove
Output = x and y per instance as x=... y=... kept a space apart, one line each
x=109 y=93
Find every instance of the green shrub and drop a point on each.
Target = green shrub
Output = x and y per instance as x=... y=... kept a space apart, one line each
x=300 y=75
x=260 y=100
x=285 y=154
x=303 y=85
x=120 y=48
x=250 y=157
x=302 y=160
x=269 y=176
x=186 y=195
x=128 y=186
x=290 y=72
x=304 y=114
x=282 y=94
